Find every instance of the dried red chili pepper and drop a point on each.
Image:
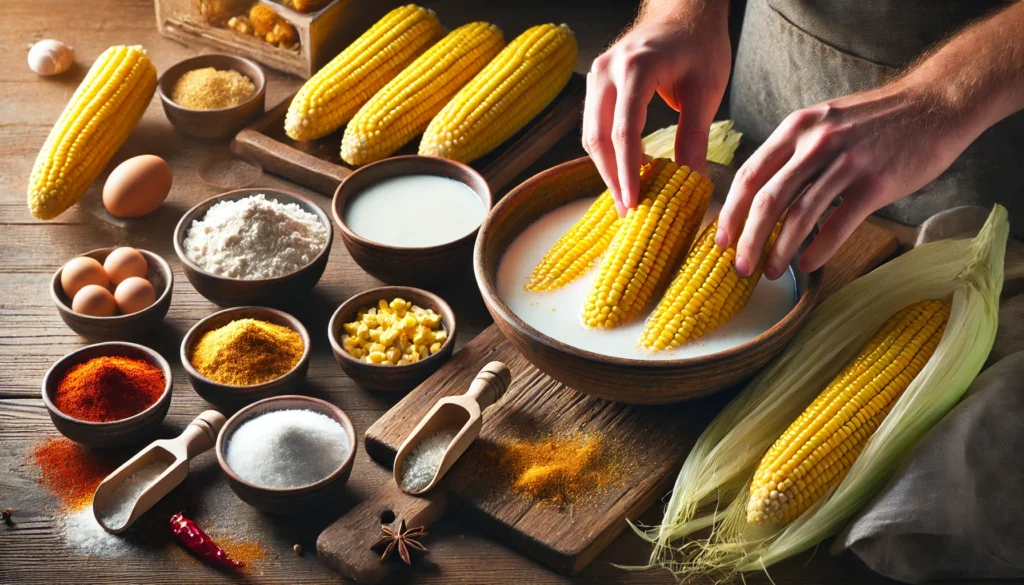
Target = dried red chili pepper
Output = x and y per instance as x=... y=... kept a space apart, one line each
x=195 y=540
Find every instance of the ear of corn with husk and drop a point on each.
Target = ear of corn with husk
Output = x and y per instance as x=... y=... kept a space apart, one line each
x=330 y=98
x=721 y=475
x=509 y=92
x=101 y=114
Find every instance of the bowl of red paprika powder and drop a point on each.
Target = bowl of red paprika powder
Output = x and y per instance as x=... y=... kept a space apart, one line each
x=108 y=394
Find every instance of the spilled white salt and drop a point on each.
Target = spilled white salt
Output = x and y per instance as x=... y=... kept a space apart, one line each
x=424 y=460
x=287 y=448
x=122 y=498
x=83 y=534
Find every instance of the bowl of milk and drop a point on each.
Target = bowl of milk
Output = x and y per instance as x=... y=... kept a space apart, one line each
x=412 y=220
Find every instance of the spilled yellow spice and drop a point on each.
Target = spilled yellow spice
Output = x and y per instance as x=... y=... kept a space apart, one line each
x=246 y=352
x=558 y=470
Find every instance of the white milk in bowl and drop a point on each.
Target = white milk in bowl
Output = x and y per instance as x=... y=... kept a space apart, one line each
x=557 y=313
x=415 y=211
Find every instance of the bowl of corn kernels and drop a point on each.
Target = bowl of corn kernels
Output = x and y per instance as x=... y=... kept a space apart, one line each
x=392 y=338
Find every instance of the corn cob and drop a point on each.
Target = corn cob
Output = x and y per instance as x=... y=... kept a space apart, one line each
x=706 y=293
x=574 y=253
x=402 y=109
x=814 y=454
x=648 y=245
x=101 y=114
x=509 y=92
x=330 y=98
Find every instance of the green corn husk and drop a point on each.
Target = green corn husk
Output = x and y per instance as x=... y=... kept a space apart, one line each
x=722 y=142
x=712 y=487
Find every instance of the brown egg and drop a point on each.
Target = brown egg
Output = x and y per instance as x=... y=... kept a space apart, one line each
x=124 y=263
x=94 y=300
x=133 y=295
x=137 y=186
x=80 y=272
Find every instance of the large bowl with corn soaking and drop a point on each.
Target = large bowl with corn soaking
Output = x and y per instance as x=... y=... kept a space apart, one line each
x=627 y=380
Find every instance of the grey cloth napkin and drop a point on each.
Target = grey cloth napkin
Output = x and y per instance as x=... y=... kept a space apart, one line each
x=955 y=509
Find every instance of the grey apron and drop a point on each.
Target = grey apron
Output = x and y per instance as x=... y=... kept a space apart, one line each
x=795 y=53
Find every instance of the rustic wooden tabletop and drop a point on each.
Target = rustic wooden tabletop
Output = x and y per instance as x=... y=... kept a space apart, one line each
x=32 y=549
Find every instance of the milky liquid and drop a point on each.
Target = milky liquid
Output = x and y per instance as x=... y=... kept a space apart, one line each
x=557 y=314
x=415 y=211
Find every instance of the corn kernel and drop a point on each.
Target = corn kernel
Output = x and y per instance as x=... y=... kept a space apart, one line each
x=362 y=331
x=375 y=335
x=376 y=357
x=394 y=354
x=377 y=347
x=356 y=352
x=399 y=306
x=436 y=347
x=351 y=328
x=384 y=306
x=431 y=319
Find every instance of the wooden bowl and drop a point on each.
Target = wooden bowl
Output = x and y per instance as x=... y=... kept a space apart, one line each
x=613 y=378
x=307 y=498
x=391 y=378
x=229 y=396
x=115 y=433
x=407 y=265
x=214 y=124
x=227 y=291
x=118 y=326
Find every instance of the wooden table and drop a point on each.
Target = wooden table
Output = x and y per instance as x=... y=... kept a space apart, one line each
x=33 y=336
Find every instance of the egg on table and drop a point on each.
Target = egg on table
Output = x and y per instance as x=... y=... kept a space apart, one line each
x=133 y=295
x=123 y=263
x=80 y=272
x=94 y=300
x=137 y=186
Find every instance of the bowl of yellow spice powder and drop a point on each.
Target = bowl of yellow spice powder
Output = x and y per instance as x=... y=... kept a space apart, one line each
x=238 y=356
x=213 y=96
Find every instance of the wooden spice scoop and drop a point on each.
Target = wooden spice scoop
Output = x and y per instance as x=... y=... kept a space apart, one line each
x=198 y=437
x=462 y=412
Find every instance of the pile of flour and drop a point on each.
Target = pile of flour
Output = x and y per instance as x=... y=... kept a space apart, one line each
x=255 y=238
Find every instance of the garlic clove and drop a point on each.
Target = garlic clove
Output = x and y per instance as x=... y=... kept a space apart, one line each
x=50 y=57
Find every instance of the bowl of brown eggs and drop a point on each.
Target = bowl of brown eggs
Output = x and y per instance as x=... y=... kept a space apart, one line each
x=113 y=293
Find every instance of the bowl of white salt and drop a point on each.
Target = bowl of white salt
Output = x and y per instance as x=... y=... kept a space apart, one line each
x=287 y=454
x=254 y=246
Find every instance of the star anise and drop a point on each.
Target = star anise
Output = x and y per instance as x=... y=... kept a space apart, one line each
x=402 y=540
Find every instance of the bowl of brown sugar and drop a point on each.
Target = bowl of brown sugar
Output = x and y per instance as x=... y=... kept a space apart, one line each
x=213 y=96
x=237 y=356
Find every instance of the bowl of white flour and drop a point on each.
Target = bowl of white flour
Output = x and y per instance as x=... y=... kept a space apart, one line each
x=254 y=246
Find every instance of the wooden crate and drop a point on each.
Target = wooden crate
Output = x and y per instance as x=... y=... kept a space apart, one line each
x=322 y=34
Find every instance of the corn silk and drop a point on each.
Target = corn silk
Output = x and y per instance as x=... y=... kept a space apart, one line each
x=711 y=491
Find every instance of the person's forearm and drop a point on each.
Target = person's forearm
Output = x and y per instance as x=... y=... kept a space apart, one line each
x=681 y=13
x=979 y=73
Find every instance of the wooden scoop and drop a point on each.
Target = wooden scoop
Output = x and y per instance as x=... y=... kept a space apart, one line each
x=175 y=454
x=456 y=412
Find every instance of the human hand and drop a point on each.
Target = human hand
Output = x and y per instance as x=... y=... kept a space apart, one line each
x=869 y=149
x=679 y=50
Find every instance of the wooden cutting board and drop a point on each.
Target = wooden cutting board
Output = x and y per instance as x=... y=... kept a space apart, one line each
x=656 y=437
x=317 y=164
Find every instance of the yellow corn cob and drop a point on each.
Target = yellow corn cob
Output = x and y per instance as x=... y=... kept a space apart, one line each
x=816 y=451
x=330 y=98
x=101 y=114
x=509 y=92
x=585 y=241
x=648 y=245
x=706 y=293
x=402 y=109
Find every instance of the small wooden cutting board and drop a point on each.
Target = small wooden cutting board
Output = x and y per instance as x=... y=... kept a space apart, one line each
x=656 y=439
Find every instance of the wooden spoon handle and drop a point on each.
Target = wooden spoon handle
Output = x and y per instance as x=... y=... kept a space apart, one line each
x=345 y=545
x=490 y=384
x=201 y=434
